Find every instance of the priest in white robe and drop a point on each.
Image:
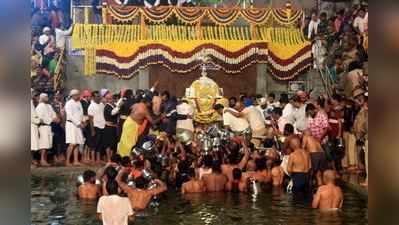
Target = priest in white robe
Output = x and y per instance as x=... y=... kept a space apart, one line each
x=46 y=114
x=73 y=127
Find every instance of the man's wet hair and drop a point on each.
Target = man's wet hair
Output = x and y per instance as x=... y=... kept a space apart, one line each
x=284 y=98
x=278 y=111
x=336 y=97
x=208 y=160
x=218 y=106
x=191 y=172
x=116 y=158
x=310 y=107
x=125 y=161
x=289 y=128
x=237 y=174
x=216 y=166
x=268 y=143
x=128 y=93
x=321 y=101
x=260 y=163
x=88 y=175
x=139 y=164
x=110 y=172
x=112 y=187
x=166 y=93
x=272 y=95
x=140 y=182
x=183 y=166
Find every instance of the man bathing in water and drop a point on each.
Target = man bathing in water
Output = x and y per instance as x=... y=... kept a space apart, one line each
x=298 y=166
x=139 y=196
x=328 y=196
x=317 y=155
x=194 y=185
x=216 y=181
x=239 y=182
x=227 y=169
x=89 y=189
x=277 y=175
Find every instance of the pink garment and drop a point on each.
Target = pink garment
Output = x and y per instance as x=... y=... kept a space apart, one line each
x=318 y=125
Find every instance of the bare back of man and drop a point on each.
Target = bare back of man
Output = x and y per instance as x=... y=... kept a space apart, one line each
x=298 y=166
x=317 y=155
x=328 y=196
x=193 y=186
x=277 y=176
x=214 y=182
x=89 y=191
x=140 y=198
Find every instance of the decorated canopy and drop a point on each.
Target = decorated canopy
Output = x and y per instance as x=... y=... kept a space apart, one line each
x=123 y=49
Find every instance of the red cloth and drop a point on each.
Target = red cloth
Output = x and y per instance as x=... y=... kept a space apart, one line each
x=318 y=124
x=334 y=117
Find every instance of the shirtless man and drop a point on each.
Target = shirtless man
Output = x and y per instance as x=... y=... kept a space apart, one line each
x=194 y=185
x=328 y=196
x=260 y=172
x=298 y=166
x=216 y=181
x=139 y=196
x=277 y=175
x=317 y=155
x=89 y=189
x=239 y=182
x=227 y=169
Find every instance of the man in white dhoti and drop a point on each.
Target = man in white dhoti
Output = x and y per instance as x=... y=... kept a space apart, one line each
x=34 y=132
x=73 y=127
x=46 y=115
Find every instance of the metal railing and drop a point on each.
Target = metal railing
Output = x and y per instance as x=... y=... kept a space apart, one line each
x=57 y=78
x=320 y=65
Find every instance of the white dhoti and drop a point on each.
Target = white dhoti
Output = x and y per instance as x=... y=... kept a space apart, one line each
x=73 y=134
x=34 y=137
x=45 y=137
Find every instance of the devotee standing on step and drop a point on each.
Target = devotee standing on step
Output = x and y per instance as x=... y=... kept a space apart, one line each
x=97 y=124
x=130 y=130
x=34 y=131
x=47 y=115
x=73 y=127
x=111 y=112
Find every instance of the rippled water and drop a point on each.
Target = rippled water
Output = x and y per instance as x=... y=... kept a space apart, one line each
x=54 y=202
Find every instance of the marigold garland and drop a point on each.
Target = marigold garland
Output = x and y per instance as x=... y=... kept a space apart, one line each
x=191 y=15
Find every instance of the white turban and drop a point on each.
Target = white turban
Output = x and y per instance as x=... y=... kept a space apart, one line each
x=73 y=92
x=45 y=29
x=43 y=96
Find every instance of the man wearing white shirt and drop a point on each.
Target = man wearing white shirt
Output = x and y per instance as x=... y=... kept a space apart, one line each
x=299 y=116
x=254 y=118
x=73 y=127
x=360 y=22
x=113 y=209
x=60 y=35
x=313 y=25
x=262 y=108
x=185 y=124
x=235 y=124
x=46 y=115
x=97 y=122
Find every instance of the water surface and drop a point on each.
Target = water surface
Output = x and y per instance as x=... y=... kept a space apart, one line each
x=54 y=202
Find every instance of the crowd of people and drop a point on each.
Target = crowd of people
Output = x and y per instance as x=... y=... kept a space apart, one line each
x=50 y=25
x=299 y=142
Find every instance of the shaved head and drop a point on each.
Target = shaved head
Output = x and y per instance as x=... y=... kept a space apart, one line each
x=295 y=143
x=138 y=111
x=329 y=176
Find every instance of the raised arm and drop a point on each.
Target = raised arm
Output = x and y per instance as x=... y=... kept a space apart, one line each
x=162 y=187
x=122 y=184
x=244 y=159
